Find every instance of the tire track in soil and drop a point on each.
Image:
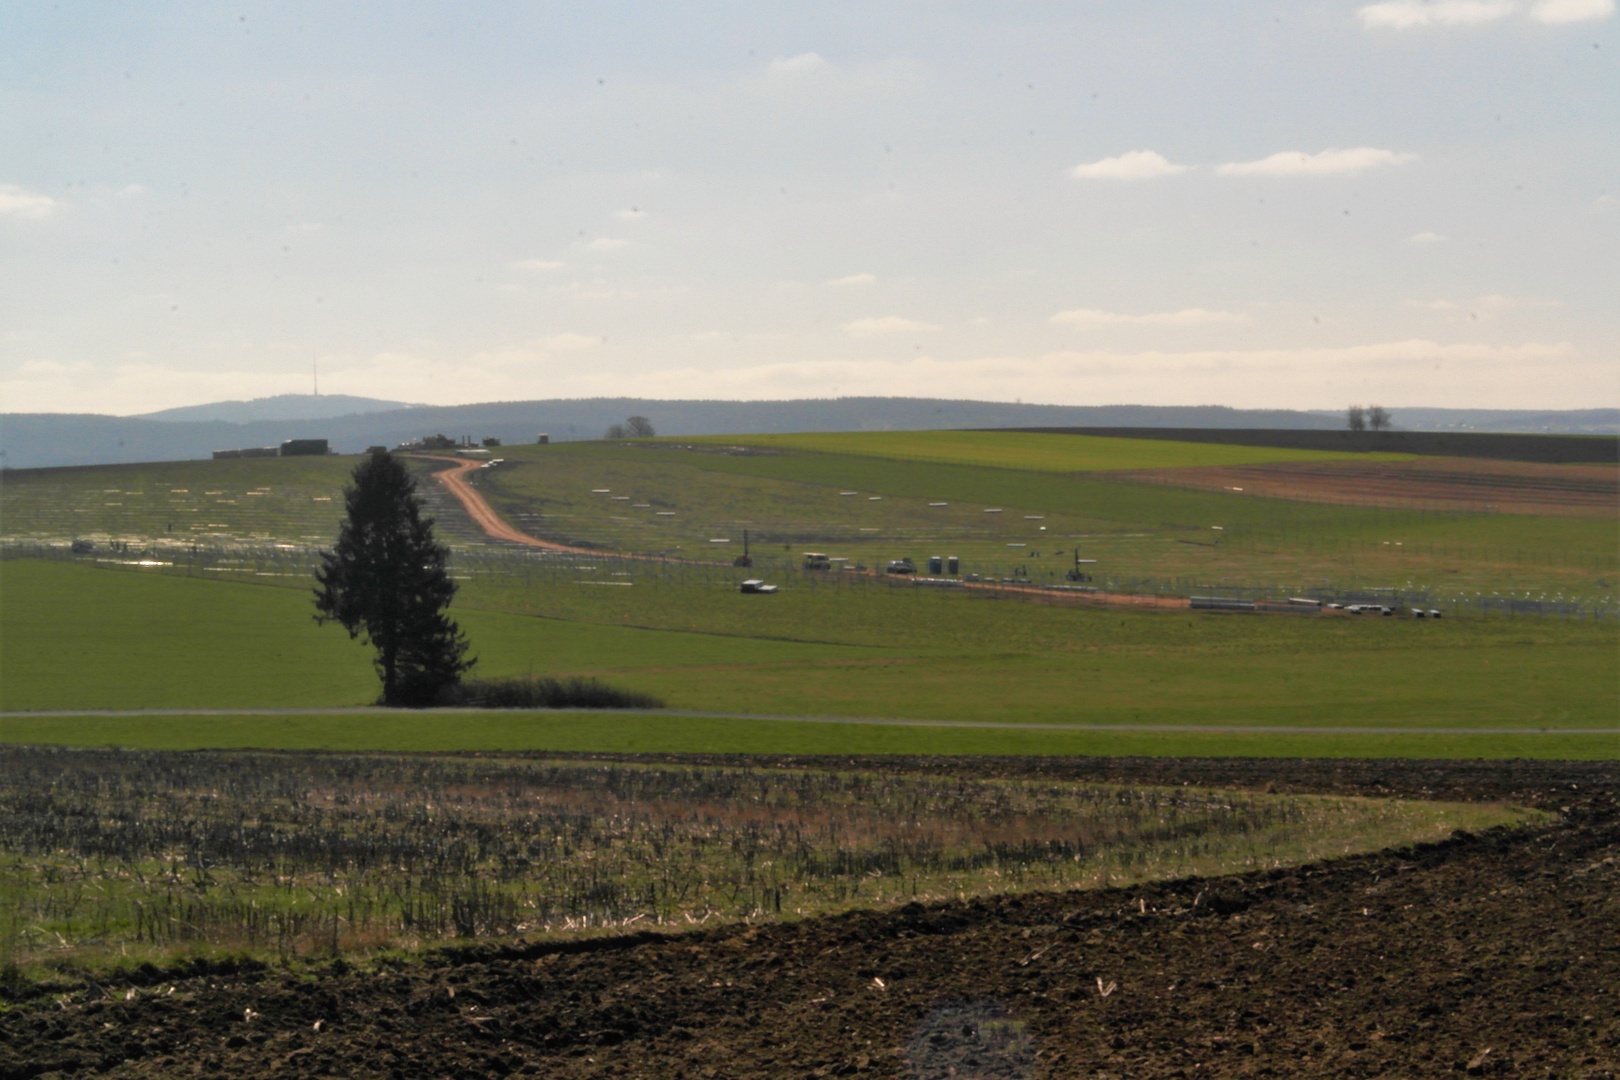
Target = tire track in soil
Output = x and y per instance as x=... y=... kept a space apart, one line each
x=1480 y=955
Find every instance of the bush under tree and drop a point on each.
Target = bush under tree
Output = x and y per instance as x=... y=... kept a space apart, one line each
x=544 y=692
x=386 y=579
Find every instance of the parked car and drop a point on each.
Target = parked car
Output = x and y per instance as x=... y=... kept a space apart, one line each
x=899 y=566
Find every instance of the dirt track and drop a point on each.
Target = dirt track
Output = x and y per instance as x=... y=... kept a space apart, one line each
x=484 y=516
x=1492 y=955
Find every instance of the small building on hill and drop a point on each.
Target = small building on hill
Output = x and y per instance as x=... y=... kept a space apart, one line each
x=305 y=448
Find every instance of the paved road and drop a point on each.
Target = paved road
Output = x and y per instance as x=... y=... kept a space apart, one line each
x=377 y=710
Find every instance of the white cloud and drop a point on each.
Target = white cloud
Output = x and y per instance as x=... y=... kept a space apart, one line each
x=797 y=65
x=1568 y=11
x=853 y=279
x=1480 y=376
x=1424 y=238
x=25 y=205
x=1486 y=307
x=1405 y=14
x=1184 y=317
x=888 y=324
x=605 y=243
x=537 y=264
x=1328 y=162
x=136 y=386
x=569 y=341
x=1135 y=165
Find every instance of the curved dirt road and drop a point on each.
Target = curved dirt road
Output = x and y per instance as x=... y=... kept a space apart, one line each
x=455 y=481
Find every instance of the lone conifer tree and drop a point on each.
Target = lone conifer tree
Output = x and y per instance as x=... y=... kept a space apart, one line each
x=386 y=579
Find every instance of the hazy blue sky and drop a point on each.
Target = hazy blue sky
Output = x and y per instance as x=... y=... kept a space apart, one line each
x=1259 y=204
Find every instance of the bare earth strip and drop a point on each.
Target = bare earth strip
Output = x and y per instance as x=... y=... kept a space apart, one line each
x=1501 y=487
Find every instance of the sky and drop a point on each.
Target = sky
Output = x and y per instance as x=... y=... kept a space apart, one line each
x=1264 y=205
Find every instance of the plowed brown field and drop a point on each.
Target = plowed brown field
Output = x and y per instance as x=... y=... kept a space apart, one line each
x=1482 y=955
x=1503 y=487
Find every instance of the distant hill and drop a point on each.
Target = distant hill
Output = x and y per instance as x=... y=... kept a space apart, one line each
x=31 y=440
x=280 y=407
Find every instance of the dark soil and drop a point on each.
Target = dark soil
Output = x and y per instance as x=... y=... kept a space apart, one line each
x=1482 y=955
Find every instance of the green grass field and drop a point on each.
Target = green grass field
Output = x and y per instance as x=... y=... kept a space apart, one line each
x=88 y=634
x=297 y=499
x=150 y=640
x=677 y=498
x=1033 y=452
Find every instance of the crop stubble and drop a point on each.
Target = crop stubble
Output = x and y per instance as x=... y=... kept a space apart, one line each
x=149 y=855
x=1479 y=955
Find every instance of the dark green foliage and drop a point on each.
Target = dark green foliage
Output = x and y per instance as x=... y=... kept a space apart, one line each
x=546 y=693
x=386 y=579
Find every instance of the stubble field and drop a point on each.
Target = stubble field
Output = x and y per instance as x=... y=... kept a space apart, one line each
x=1482 y=954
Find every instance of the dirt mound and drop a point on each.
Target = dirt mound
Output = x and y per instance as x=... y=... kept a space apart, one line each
x=1481 y=955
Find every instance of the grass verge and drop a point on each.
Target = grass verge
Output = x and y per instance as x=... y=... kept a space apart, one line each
x=636 y=733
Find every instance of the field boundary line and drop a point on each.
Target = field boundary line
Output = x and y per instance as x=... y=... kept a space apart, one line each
x=378 y=710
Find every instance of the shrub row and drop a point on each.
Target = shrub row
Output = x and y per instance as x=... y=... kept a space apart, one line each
x=545 y=693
